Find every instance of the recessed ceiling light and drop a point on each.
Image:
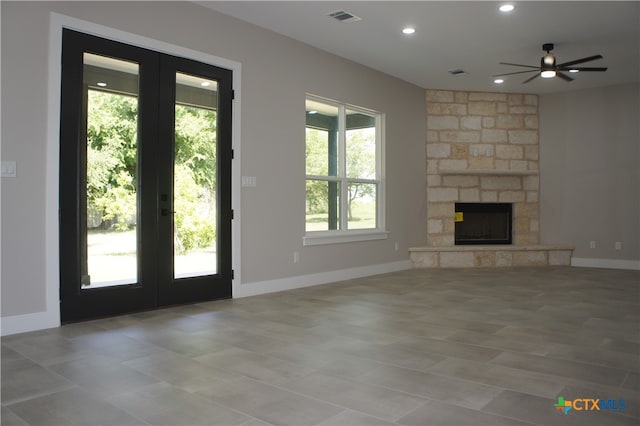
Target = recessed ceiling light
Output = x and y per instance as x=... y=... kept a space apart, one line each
x=574 y=70
x=408 y=30
x=506 y=8
x=101 y=84
x=498 y=81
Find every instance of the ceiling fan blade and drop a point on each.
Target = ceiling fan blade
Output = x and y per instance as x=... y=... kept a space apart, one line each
x=518 y=65
x=579 y=61
x=529 y=79
x=583 y=68
x=563 y=76
x=512 y=73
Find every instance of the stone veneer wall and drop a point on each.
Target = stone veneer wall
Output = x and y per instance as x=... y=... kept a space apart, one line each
x=482 y=147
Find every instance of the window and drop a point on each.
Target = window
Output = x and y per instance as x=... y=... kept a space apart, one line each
x=344 y=179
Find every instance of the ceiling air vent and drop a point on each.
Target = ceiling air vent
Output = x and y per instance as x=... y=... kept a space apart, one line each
x=343 y=16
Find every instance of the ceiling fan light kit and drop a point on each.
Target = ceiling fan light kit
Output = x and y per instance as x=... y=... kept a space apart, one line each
x=549 y=69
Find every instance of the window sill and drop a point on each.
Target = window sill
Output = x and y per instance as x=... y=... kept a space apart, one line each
x=323 y=238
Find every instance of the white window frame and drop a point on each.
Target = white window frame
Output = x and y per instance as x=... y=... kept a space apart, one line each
x=345 y=235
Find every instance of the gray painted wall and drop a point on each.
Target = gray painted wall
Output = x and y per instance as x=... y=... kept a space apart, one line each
x=276 y=74
x=590 y=171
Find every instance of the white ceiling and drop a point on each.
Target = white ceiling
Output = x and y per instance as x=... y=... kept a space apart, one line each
x=473 y=36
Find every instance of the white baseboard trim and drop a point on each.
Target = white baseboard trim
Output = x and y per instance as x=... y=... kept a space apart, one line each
x=605 y=263
x=29 y=322
x=283 y=284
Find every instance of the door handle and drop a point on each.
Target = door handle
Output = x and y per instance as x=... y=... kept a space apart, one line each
x=166 y=212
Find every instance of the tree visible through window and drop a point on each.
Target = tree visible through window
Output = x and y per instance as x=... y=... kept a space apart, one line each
x=343 y=172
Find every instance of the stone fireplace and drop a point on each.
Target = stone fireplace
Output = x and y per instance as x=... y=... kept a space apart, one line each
x=482 y=147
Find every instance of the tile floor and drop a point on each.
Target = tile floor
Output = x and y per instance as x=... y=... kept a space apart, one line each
x=418 y=347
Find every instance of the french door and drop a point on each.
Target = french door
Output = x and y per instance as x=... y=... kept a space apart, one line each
x=145 y=179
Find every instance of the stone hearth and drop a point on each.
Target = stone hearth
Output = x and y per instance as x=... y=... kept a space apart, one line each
x=490 y=256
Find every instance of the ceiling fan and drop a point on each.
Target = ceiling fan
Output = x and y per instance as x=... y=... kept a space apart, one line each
x=548 y=67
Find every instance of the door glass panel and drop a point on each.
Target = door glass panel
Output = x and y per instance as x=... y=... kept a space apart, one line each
x=111 y=171
x=195 y=177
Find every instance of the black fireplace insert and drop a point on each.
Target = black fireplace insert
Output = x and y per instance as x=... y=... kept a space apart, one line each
x=483 y=223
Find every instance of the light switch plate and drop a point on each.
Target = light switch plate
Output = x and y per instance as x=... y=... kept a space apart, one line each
x=248 y=181
x=8 y=169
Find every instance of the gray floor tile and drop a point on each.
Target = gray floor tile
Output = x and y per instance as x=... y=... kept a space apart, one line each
x=188 y=344
x=178 y=370
x=622 y=345
x=164 y=405
x=349 y=331
x=319 y=359
x=461 y=392
x=71 y=408
x=512 y=344
x=8 y=353
x=269 y=403
x=255 y=365
x=50 y=348
x=554 y=366
x=354 y=418
x=392 y=353
x=115 y=345
x=102 y=376
x=255 y=422
x=598 y=356
x=442 y=414
x=22 y=379
x=376 y=401
x=499 y=376
x=8 y=418
x=460 y=325
x=632 y=381
x=448 y=349
x=351 y=367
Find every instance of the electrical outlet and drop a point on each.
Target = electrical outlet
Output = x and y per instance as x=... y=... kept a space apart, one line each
x=296 y=256
x=592 y=244
x=397 y=246
x=618 y=245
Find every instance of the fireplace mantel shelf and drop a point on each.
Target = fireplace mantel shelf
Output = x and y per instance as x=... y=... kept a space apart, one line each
x=483 y=172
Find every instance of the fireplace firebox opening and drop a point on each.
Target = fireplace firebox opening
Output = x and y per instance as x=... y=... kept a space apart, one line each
x=483 y=223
